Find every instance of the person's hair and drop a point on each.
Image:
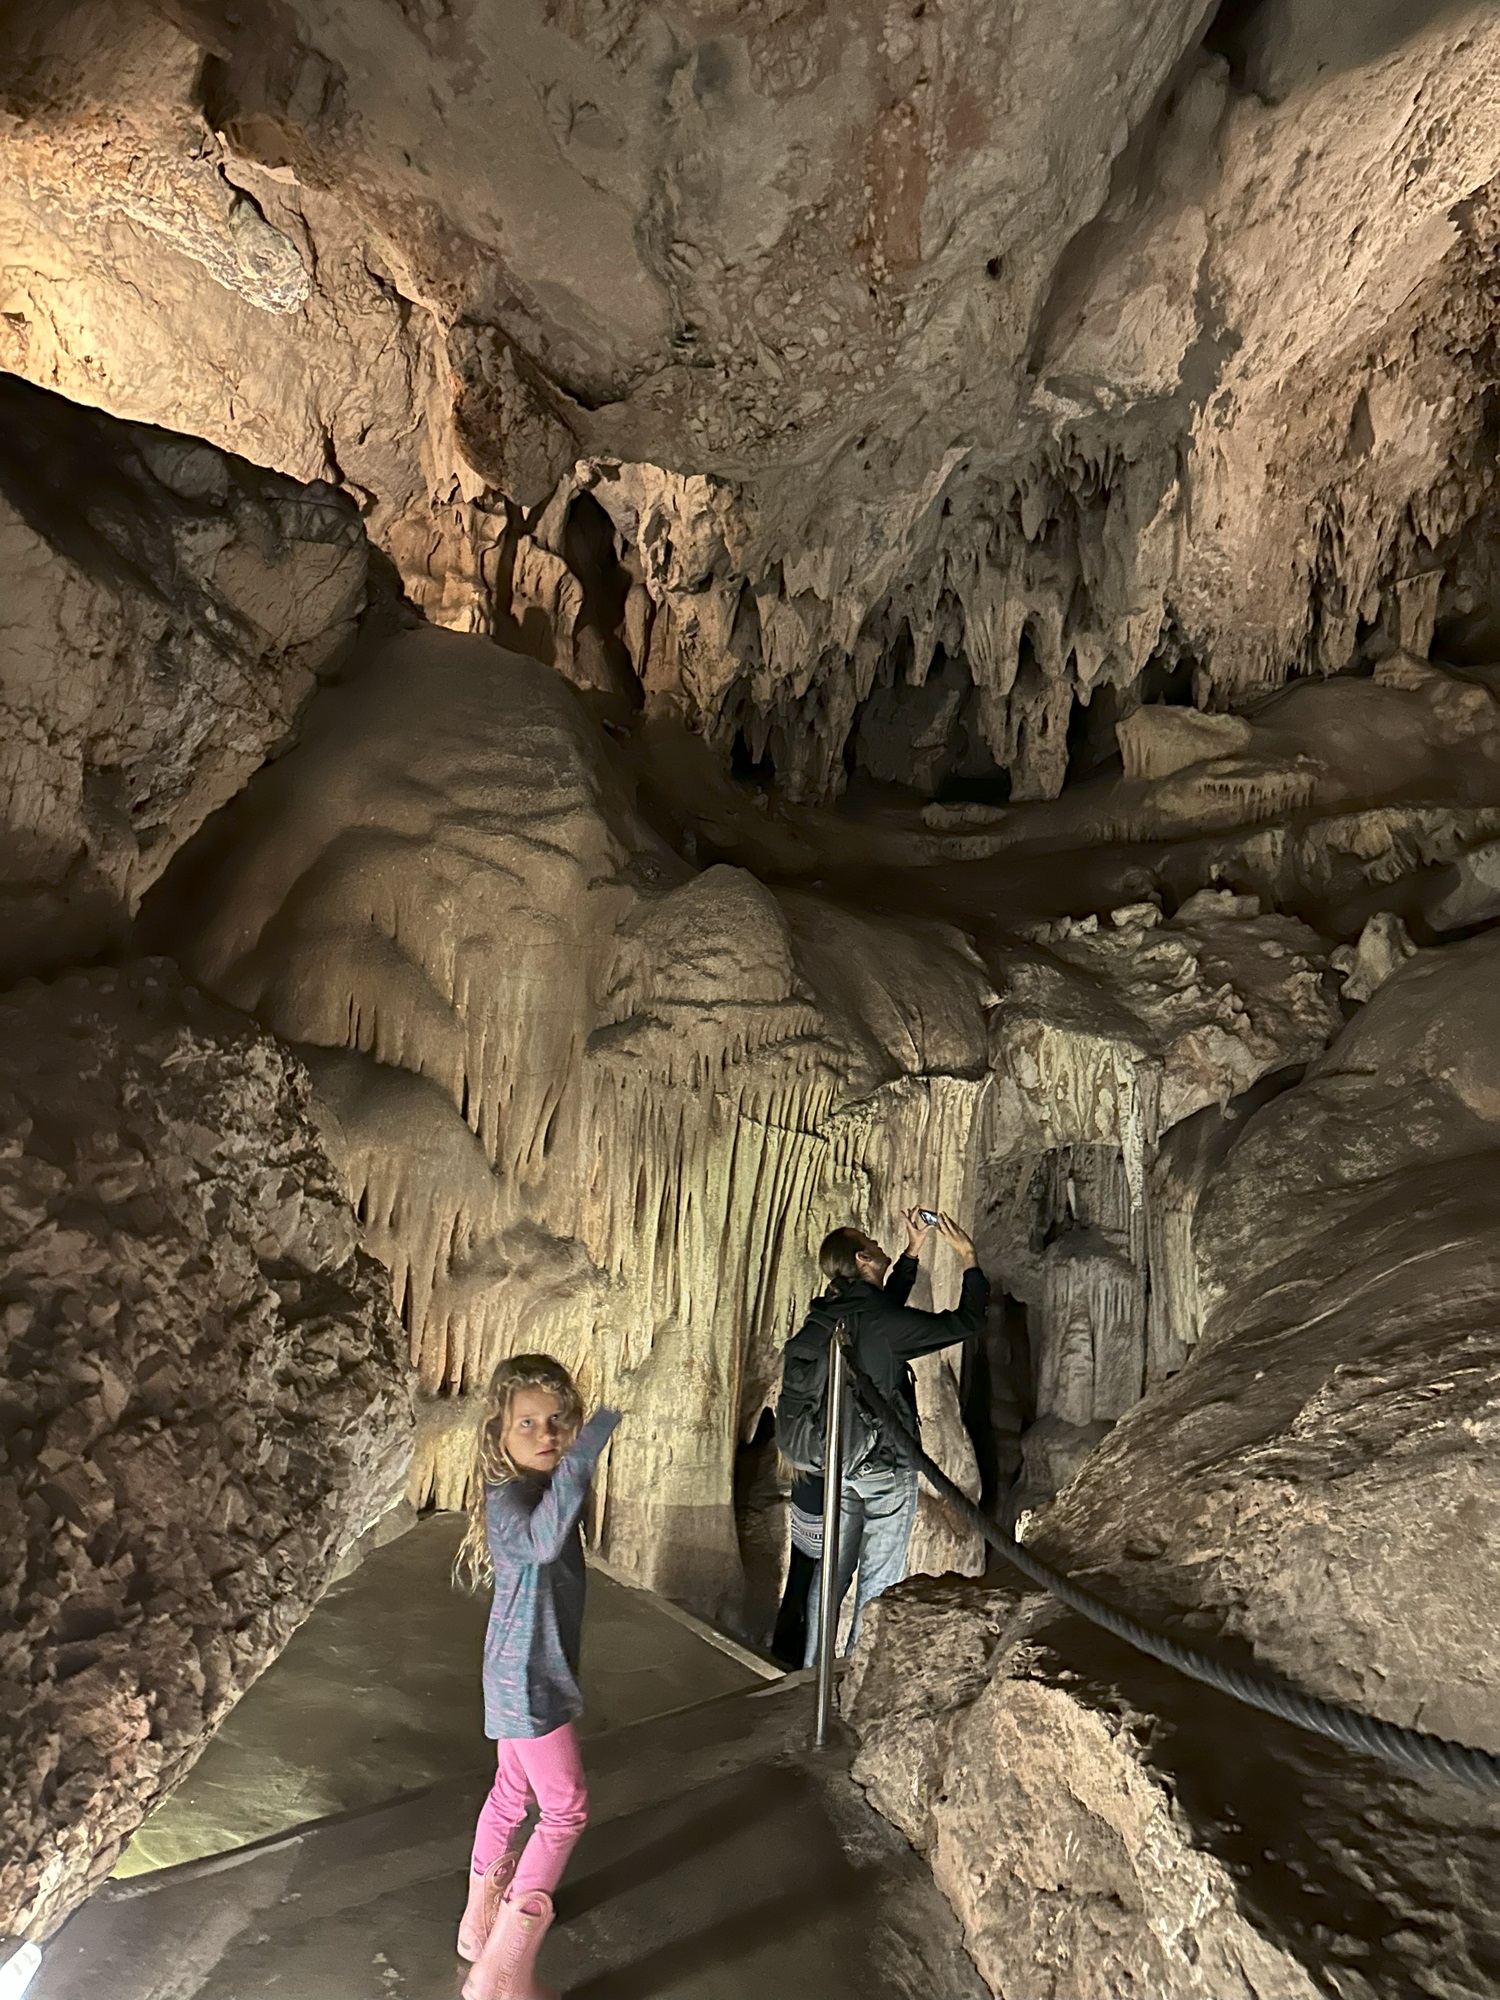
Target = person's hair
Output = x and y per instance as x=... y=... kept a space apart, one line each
x=472 y=1567
x=838 y=1258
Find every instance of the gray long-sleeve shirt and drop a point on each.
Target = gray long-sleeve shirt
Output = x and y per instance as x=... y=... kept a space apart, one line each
x=536 y=1620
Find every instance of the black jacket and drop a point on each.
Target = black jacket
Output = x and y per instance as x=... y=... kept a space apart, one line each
x=886 y=1334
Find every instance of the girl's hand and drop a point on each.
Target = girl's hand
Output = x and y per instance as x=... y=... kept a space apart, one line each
x=963 y=1243
x=917 y=1231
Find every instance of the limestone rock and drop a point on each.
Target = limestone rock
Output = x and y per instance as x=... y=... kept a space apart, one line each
x=585 y=1096
x=1053 y=1452
x=1156 y=741
x=167 y=611
x=202 y=1398
x=1073 y=1875
x=925 y=1651
x=1104 y=1827
x=1384 y=944
x=1047 y=351
x=595 y=1089
x=1319 y=1474
x=1069 y=1862
x=1471 y=894
x=1311 y=1488
x=1115 y=1032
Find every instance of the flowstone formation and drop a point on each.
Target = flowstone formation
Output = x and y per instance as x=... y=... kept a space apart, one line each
x=584 y=1095
x=202 y=1401
x=588 y=1095
x=1312 y=1491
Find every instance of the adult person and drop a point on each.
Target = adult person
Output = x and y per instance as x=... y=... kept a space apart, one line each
x=867 y=1297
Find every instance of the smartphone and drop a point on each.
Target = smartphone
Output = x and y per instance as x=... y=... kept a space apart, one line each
x=928 y=1216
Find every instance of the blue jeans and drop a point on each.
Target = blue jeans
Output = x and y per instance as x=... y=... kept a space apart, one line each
x=878 y=1510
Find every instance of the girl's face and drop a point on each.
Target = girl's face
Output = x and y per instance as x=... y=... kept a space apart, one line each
x=536 y=1433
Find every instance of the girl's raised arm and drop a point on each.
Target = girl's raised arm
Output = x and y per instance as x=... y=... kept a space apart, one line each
x=539 y=1534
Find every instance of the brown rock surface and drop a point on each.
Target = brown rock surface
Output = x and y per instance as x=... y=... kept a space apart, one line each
x=1041 y=353
x=202 y=1400
x=1315 y=1488
x=1333 y=1442
x=1108 y=1831
x=167 y=609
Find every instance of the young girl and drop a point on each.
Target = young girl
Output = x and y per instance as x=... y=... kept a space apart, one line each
x=533 y=1464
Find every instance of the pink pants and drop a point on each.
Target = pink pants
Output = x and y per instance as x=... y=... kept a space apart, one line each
x=550 y=1769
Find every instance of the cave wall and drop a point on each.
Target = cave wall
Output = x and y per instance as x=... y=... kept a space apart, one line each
x=586 y=1096
x=590 y=1096
x=204 y=1395
x=1074 y=438
x=203 y=1400
x=1309 y=1494
x=168 y=610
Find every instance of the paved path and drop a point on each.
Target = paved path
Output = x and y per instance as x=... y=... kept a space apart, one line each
x=378 y=1693
x=724 y=1862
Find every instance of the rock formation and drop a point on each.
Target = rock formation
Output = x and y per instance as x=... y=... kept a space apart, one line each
x=201 y=1400
x=704 y=620
x=1311 y=1490
x=203 y=1396
x=167 y=610
x=1054 y=356
x=584 y=1095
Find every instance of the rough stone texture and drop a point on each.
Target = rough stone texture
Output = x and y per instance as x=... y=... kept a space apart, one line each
x=1105 y=1828
x=1109 y=1831
x=1116 y=1031
x=1045 y=354
x=1332 y=1443
x=1315 y=1489
x=1384 y=945
x=925 y=1653
x=202 y=1400
x=938 y=397
x=166 y=611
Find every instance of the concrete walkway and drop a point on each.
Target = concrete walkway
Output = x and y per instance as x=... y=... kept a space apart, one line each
x=723 y=1862
x=378 y=1693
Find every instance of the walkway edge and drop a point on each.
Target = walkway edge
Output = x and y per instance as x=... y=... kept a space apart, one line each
x=743 y=1655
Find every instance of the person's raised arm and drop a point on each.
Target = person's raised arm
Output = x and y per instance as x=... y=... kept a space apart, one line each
x=918 y=1332
x=538 y=1534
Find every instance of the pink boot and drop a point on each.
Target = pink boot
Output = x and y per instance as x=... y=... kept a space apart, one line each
x=486 y=1892
x=507 y=1965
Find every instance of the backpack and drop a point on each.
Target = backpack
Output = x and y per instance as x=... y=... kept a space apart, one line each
x=801 y=1408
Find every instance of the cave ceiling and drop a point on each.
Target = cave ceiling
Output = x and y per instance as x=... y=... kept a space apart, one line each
x=1062 y=343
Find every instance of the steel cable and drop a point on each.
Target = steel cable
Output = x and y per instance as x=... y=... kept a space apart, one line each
x=1413 y=1749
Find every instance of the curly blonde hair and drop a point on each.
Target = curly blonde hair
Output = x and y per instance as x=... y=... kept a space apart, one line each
x=472 y=1568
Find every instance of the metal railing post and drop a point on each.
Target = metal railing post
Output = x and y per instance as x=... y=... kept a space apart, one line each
x=833 y=1494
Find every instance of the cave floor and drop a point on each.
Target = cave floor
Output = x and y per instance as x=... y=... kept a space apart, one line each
x=724 y=1861
x=378 y=1693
